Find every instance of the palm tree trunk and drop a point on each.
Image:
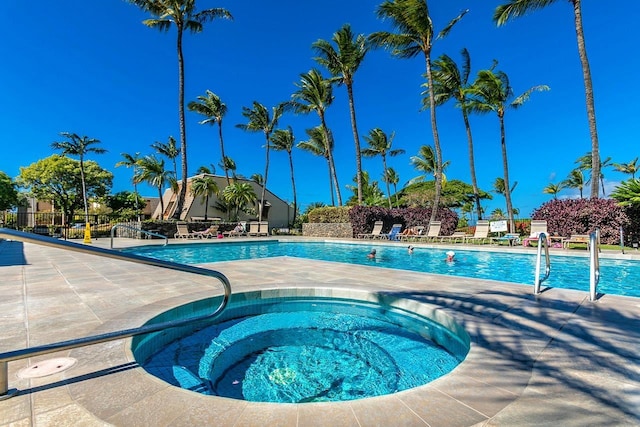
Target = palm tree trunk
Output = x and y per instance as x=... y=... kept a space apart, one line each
x=588 y=90
x=505 y=165
x=224 y=165
x=84 y=192
x=183 y=130
x=333 y=200
x=332 y=166
x=264 y=183
x=356 y=140
x=161 y=203
x=436 y=140
x=386 y=181
x=293 y=186
x=472 y=164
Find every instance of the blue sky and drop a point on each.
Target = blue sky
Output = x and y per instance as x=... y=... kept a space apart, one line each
x=93 y=69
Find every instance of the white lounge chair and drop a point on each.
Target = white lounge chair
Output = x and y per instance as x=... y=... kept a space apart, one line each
x=183 y=232
x=377 y=229
x=481 y=234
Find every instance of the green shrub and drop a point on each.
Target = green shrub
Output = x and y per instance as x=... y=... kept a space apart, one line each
x=330 y=215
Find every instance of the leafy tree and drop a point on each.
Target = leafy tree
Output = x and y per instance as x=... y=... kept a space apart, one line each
x=553 y=189
x=79 y=146
x=151 y=170
x=630 y=168
x=390 y=176
x=239 y=196
x=575 y=180
x=454 y=195
x=125 y=203
x=492 y=92
x=283 y=140
x=204 y=186
x=517 y=8
x=426 y=163
x=414 y=35
x=380 y=145
x=212 y=107
x=315 y=93
x=343 y=61
x=261 y=121
x=371 y=193
x=8 y=192
x=58 y=178
x=627 y=193
x=185 y=16
x=319 y=146
x=131 y=161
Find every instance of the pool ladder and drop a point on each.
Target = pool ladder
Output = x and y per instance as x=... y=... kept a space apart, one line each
x=9 y=356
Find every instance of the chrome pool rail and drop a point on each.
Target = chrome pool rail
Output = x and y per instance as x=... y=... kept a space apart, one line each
x=542 y=242
x=6 y=357
x=594 y=264
x=139 y=230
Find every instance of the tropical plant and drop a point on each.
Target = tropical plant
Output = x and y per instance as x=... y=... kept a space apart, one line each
x=553 y=189
x=371 y=193
x=185 y=16
x=380 y=145
x=499 y=187
x=79 y=146
x=131 y=161
x=283 y=140
x=239 y=196
x=319 y=146
x=211 y=170
x=630 y=168
x=204 y=186
x=170 y=150
x=212 y=107
x=449 y=82
x=627 y=193
x=575 y=180
x=414 y=35
x=426 y=163
x=343 y=61
x=257 y=178
x=151 y=170
x=584 y=163
x=316 y=94
x=261 y=121
x=517 y=8
x=498 y=213
x=8 y=192
x=228 y=164
x=390 y=176
x=492 y=92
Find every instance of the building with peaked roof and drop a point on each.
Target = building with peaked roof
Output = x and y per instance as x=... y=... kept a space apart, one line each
x=276 y=211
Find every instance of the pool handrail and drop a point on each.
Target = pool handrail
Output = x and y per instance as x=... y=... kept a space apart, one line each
x=21 y=236
x=139 y=230
x=594 y=264
x=542 y=242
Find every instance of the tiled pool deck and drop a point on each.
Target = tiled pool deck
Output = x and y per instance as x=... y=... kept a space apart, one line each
x=556 y=359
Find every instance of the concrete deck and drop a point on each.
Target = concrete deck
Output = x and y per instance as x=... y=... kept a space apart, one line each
x=556 y=359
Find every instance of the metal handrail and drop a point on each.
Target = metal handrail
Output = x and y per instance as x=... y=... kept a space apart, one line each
x=5 y=358
x=594 y=264
x=140 y=230
x=542 y=241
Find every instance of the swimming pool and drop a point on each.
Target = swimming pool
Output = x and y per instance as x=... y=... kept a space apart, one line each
x=617 y=277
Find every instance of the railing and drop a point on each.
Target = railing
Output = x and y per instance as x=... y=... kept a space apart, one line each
x=594 y=264
x=7 y=357
x=148 y=233
x=542 y=242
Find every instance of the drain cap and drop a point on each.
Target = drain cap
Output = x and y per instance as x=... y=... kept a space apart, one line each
x=47 y=367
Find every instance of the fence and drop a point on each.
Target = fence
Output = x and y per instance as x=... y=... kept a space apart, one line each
x=54 y=224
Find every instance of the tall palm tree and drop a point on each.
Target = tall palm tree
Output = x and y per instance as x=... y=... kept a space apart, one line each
x=283 y=140
x=585 y=163
x=575 y=180
x=516 y=8
x=228 y=164
x=315 y=93
x=206 y=169
x=380 y=145
x=414 y=35
x=151 y=170
x=170 y=150
x=343 y=61
x=261 y=121
x=553 y=189
x=449 y=82
x=204 y=186
x=390 y=176
x=491 y=92
x=500 y=187
x=185 y=16
x=630 y=168
x=79 y=146
x=257 y=178
x=131 y=161
x=239 y=196
x=426 y=163
x=319 y=146
x=212 y=107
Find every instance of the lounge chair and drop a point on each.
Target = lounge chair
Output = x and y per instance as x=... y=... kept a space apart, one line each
x=577 y=238
x=393 y=234
x=412 y=233
x=209 y=233
x=183 y=232
x=481 y=234
x=455 y=237
x=377 y=229
x=537 y=226
x=258 y=228
x=433 y=233
x=237 y=231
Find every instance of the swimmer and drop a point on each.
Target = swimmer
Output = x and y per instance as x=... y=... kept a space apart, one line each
x=450 y=255
x=372 y=254
x=410 y=249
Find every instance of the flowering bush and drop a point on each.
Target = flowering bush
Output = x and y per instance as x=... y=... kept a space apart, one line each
x=363 y=217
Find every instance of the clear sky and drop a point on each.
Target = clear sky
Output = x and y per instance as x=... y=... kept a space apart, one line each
x=92 y=68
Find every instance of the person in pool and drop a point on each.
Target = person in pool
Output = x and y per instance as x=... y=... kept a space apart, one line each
x=450 y=256
x=372 y=254
x=410 y=249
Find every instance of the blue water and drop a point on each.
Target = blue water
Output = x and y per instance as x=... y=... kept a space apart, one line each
x=618 y=277
x=309 y=351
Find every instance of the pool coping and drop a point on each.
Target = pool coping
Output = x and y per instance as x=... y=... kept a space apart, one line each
x=518 y=370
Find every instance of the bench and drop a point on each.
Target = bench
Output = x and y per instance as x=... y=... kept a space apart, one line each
x=576 y=238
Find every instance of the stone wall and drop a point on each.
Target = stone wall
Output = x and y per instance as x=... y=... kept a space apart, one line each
x=342 y=230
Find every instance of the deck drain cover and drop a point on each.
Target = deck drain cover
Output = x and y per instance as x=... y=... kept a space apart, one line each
x=47 y=367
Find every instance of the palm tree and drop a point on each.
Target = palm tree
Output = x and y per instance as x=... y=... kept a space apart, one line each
x=228 y=164
x=79 y=146
x=380 y=145
x=627 y=193
x=390 y=176
x=517 y=8
x=371 y=193
x=316 y=94
x=449 y=82
x=151 y=170
x=342 y=62
x=257 y=178
x=425 y=162
x=414 y=35
x=261 y=121
x=575 y=180
x=212 y=107
x=553 y=189
x=132 y=162
x=282 y=140
x=170 y=150
x=491 y=92
x=184 y=15
x=500 y=187
x=630 y=168
x=206 y=169
x=319 y=146
x=238 y=196
x=204 y=186
x=584 y=163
